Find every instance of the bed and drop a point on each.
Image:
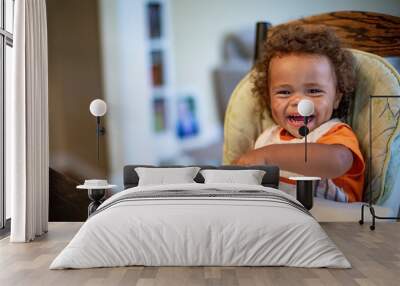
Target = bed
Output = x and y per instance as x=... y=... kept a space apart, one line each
x=201 y=224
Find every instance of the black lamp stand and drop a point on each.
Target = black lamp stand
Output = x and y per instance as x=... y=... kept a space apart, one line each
x=96 y=196
x=304 y=187
x=99 y=131
x=304 y=193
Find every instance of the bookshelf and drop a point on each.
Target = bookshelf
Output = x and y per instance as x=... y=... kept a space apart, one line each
x=152 y=120
x=158 y=36
x=176 y=111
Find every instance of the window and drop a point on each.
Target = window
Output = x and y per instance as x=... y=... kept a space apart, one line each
x=6 y=61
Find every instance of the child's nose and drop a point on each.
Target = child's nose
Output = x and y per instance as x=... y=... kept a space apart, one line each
x=295 y=99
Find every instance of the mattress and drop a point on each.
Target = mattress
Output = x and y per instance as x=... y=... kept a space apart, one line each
x=201 y=225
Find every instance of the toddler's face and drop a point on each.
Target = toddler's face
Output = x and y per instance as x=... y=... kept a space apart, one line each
x=294 y=77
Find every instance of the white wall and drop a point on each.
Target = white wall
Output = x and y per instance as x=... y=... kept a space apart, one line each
x=126 y=85
x=199 y=28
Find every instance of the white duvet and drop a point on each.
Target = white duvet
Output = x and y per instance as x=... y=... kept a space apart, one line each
x=200 y=231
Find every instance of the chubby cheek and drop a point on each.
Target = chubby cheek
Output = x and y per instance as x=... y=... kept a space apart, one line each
x=278 y=111
x=324 y=111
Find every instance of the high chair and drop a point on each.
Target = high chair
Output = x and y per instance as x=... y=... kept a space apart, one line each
x=371 y=37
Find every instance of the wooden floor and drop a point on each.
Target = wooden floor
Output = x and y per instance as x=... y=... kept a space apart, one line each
x=374 y=255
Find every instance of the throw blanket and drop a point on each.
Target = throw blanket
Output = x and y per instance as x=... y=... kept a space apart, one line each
x=206 y=193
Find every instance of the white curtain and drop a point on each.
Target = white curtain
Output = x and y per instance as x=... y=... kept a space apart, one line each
x=27 y=147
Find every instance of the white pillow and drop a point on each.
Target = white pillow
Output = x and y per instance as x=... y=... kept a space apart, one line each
x=248 y=177
x=163 y=176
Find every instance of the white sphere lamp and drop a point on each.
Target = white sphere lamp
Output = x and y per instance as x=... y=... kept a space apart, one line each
x=98 y=107
x=305 y=107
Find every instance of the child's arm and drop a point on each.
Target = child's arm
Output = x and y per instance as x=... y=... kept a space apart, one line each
x=323 y=160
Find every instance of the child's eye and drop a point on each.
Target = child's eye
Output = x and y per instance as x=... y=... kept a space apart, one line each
x=283 y=92
x=315 y=90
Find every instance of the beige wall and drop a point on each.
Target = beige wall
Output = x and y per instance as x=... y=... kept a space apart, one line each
x=74 y=81
x=199 y=28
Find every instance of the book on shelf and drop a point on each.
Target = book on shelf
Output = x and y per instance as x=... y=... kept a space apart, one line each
x=157 y=68
x=160 y=116
x=154 y=11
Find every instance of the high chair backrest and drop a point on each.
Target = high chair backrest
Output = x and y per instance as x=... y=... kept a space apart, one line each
x=244 y=122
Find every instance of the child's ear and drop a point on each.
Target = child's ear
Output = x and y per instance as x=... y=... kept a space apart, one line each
x=337 y=100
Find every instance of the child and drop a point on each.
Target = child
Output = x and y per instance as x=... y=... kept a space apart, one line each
x=308 y=62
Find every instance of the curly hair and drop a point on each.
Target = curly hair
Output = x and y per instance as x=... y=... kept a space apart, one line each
x=306 y=39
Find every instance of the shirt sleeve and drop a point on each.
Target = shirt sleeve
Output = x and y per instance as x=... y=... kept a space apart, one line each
x=353 y=180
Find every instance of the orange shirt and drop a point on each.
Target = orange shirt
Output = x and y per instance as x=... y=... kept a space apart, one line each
x=352 y=182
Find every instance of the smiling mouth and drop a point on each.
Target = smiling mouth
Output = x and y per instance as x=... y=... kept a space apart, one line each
x=298 y=120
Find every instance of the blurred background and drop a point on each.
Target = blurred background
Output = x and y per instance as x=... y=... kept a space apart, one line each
x=165 y=68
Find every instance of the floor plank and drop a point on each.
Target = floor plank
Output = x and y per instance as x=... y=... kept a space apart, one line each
x=374 y=255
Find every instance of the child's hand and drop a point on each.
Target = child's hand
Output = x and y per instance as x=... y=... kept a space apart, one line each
x=253 y=157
